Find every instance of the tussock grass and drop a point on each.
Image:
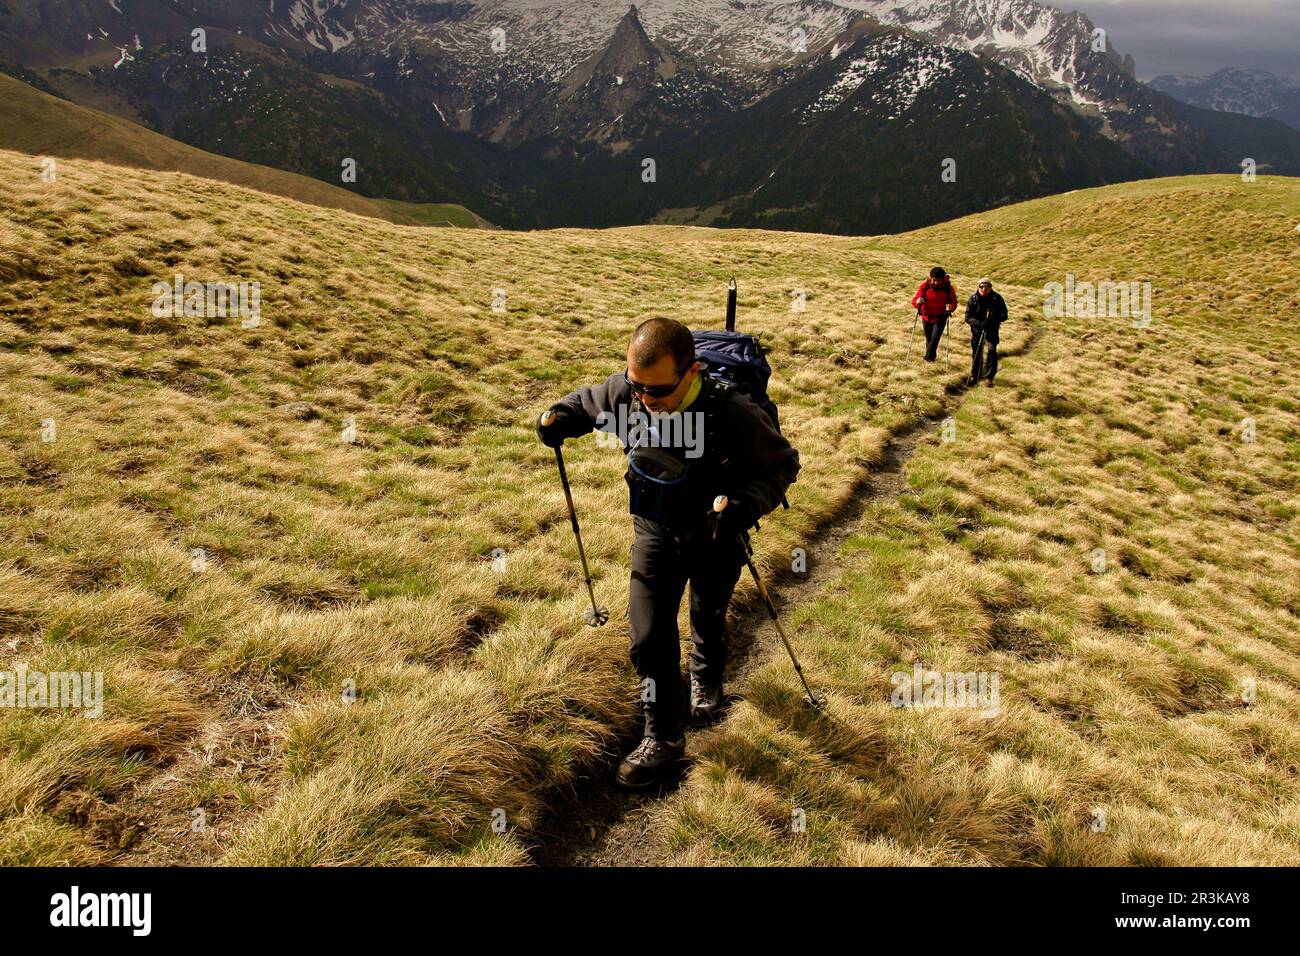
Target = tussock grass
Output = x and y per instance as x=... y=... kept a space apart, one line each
x=1122 y=735
x=353 y=679
x=365 y=568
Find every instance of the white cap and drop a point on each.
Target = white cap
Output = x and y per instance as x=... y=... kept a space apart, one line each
x=985 y=281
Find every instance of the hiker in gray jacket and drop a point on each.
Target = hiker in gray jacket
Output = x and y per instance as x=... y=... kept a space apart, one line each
x=689 y=437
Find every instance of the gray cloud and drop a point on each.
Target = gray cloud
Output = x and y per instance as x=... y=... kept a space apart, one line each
x=1200 y=36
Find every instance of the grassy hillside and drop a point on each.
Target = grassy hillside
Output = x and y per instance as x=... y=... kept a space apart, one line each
x=368 y=561
x=1124 y=735
x=367 y=565
x=35 y=122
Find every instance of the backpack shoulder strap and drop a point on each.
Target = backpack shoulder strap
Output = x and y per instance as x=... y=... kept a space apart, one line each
x=719 y=396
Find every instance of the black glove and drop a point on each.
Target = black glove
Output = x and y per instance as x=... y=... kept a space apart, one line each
x=735 y=519
x=552 y=435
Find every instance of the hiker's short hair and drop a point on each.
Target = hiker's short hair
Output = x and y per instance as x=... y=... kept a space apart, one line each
x=657 y=337
x=937 y=273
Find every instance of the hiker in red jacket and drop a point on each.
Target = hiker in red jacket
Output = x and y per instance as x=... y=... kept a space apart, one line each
x=935 y=300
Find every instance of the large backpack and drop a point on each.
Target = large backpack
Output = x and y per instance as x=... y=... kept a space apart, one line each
x=739 y=359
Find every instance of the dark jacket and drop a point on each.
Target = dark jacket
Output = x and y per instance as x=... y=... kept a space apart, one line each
x=744 y=457
x=986 y=313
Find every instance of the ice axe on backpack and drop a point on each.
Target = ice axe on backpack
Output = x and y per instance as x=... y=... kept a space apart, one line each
x=813 y=700
x=595 y=616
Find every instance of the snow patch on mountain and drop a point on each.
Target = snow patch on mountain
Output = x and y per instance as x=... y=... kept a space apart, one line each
x=524 y=44
x=899 y=88
x=1047 y=46
x=318 y=22
x=1253 y=92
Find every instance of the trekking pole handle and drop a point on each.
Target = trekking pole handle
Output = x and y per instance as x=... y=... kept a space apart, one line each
x=719 y=505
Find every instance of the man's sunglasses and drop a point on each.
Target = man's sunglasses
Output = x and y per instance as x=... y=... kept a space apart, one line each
x=654 y=391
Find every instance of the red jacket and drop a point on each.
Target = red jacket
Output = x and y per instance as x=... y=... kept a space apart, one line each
x=938 y=302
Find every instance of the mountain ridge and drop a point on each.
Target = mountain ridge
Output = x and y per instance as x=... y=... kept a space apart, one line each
x=507 y=106
x=1257 y=93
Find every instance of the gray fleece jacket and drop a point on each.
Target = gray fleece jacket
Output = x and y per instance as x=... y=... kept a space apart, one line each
x=749 y=460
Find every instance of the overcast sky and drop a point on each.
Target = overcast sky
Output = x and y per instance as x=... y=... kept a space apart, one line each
x=1199 y=36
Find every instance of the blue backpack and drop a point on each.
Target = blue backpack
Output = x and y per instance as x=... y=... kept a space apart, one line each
x=739 y=359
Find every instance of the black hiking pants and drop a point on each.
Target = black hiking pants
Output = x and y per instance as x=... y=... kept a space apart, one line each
x=984 y=354
x=933 y=334
x=662 y=565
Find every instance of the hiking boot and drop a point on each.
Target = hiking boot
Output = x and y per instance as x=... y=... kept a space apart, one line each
x=988 y=383
x=649 y=761
x=706 y=700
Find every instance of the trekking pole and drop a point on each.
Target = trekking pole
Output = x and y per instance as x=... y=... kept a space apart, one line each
x=947 y=325
x=596 y=616
x=815 y=701
x=912 y=335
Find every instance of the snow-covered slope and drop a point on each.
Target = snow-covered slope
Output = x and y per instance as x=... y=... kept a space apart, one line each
x=1047 y=45
x=893 y=90
x=539 y=42
x=1253 y=92
x=324 y=24
x=548 y=37
x=1051 y=48
x=506 y=70
x=517 y=45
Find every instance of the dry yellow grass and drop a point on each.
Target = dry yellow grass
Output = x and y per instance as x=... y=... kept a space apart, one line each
x=368 y=562
x=479 y=694
x=1148 y=711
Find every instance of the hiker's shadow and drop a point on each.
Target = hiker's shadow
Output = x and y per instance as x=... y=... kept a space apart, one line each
x=862 y=747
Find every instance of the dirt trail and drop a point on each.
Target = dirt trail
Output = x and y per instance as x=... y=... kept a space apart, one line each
x=601 y=824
